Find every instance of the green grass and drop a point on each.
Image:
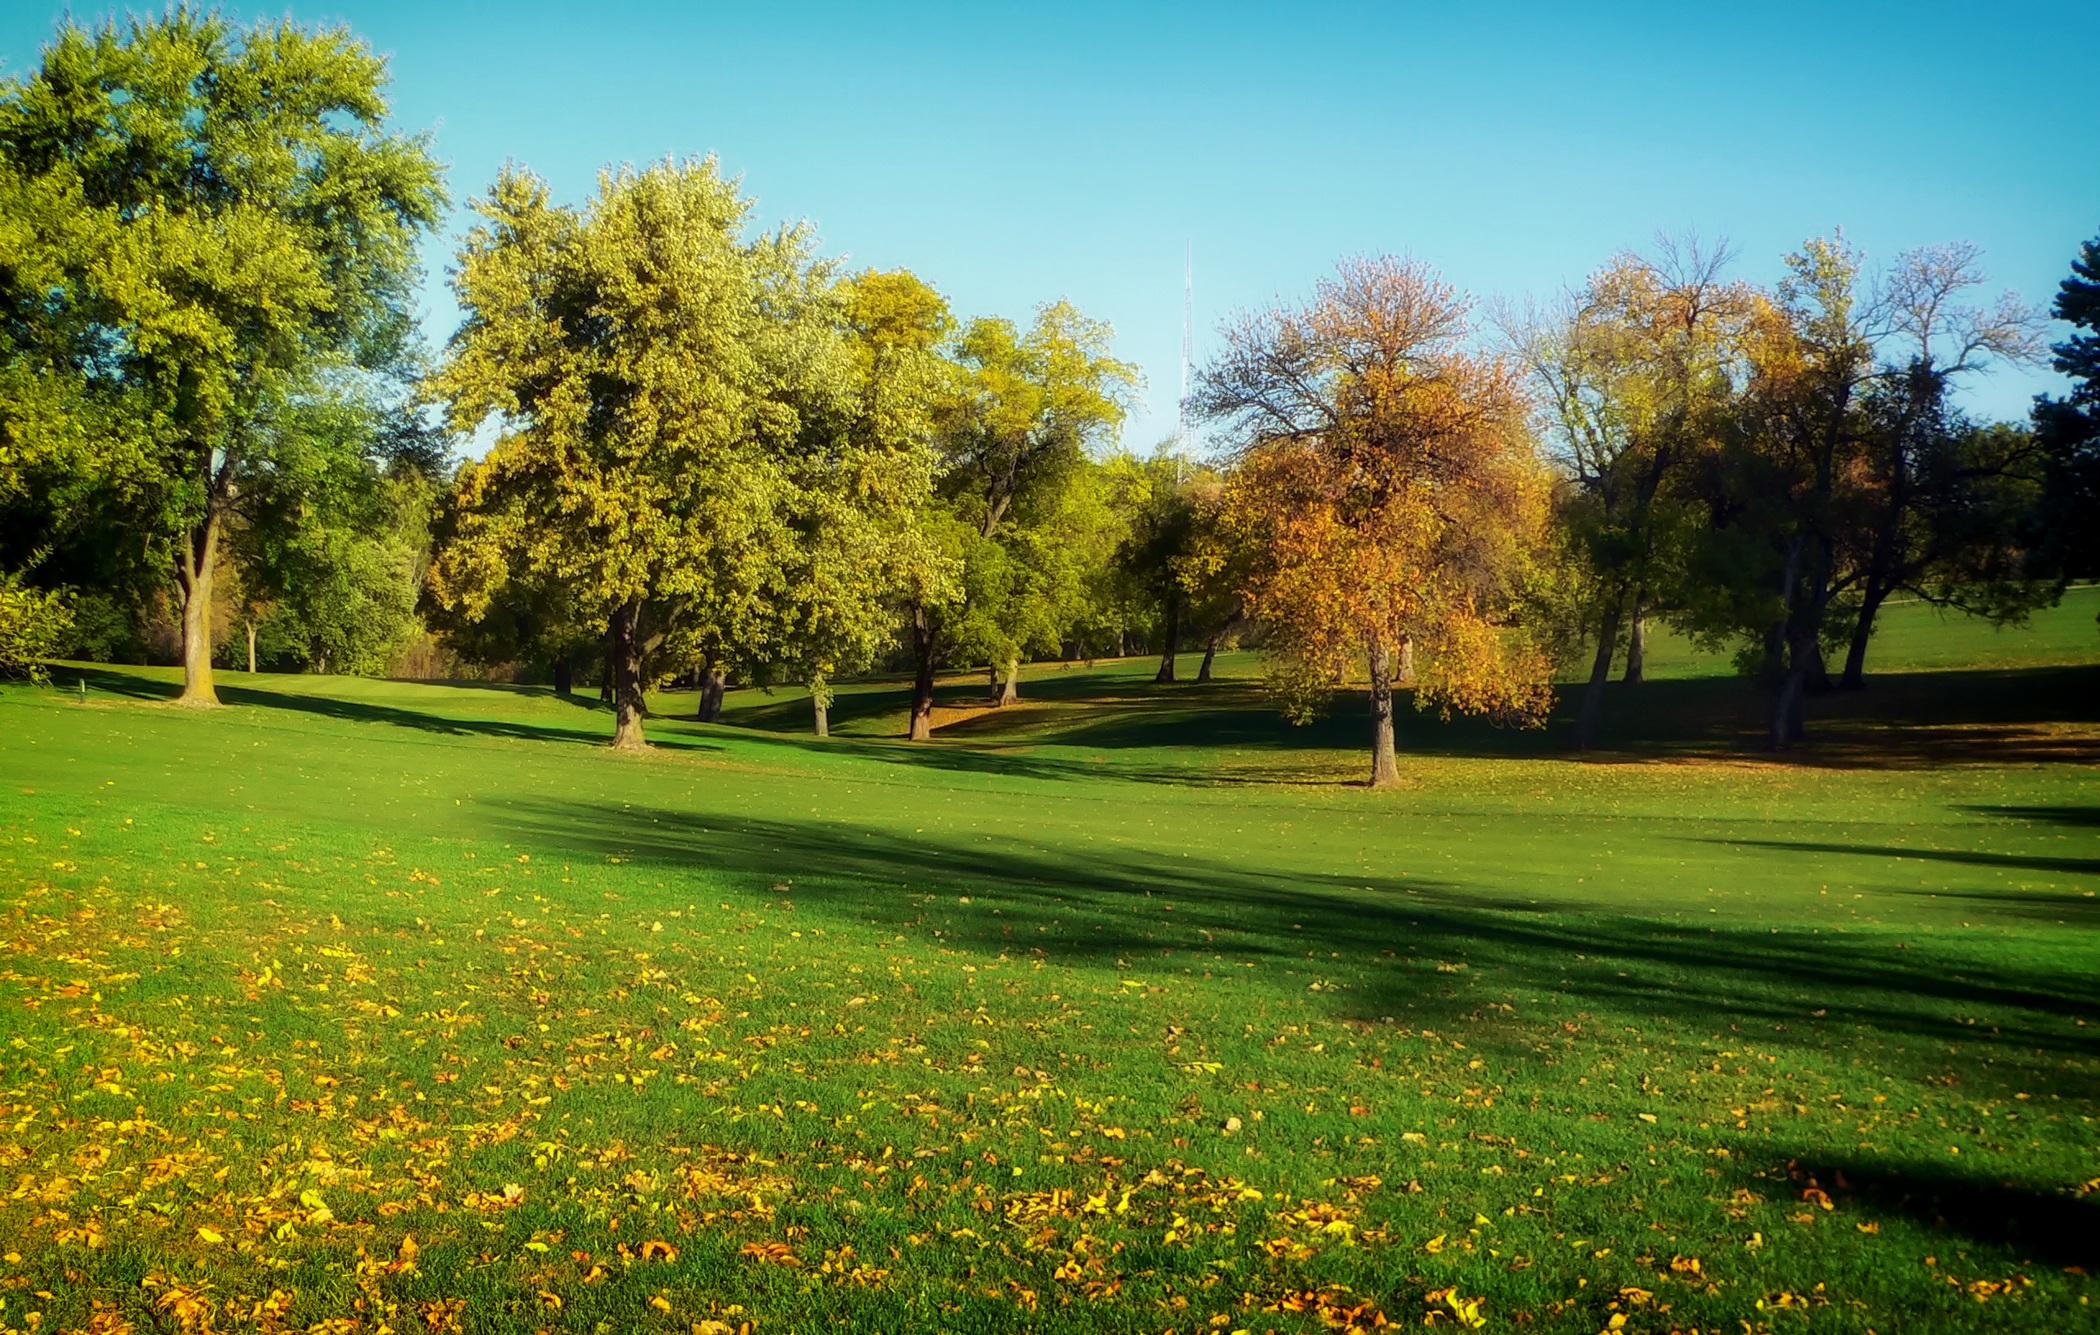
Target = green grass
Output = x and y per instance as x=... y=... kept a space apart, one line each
x=1121 y=1010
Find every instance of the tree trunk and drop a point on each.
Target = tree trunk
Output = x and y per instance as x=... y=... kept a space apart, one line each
x=1637 y=645
x=1816 y=681
x=1855 y=678
x=1406 y=672
x=251 y=647
x=564 y=674
x=1010 y=693
x=713 y=683
x=1787 y=725
x=628 y=705
x=823 y=710
x=1210 y=654
x=1385 y=769
x=921 y=728
x=1122 y=643
x=1600 y=676
x=1165 y=674
x=200 y=559
x=1775 y=654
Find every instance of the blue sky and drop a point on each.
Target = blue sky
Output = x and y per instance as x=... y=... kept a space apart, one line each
x=1014 y=155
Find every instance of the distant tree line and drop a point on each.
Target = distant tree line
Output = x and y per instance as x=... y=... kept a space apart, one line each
x=709 y=454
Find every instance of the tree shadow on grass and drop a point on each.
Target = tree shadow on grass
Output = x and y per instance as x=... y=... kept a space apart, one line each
x=2032 y=1222
x=365 y=711
x=2077 y=817
x=2005 y=861
x=1907 y=721
x=1138 y=910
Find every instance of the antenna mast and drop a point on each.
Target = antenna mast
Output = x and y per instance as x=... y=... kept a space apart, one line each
x=1188 y=301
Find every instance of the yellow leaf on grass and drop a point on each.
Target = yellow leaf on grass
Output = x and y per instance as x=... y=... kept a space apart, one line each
x=208 y=1234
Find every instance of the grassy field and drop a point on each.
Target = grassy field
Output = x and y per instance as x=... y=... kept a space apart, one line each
x=382 y=1006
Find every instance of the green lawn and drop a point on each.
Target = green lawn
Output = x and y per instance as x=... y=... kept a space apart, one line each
x=388 y=1006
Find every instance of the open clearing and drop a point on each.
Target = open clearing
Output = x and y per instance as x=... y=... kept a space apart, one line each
x=375 y=1005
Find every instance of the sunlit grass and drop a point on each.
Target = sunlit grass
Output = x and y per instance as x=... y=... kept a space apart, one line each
x=411 y=1007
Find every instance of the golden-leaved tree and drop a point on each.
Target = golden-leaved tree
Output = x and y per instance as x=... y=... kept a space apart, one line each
x=1388 y=497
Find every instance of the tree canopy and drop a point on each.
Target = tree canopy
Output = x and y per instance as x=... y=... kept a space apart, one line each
x=227 y=236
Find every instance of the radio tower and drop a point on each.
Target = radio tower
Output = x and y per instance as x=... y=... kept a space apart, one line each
x=1188 y=301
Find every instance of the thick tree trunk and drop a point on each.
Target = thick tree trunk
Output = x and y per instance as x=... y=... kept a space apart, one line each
x=1010 y=692
x=1804 y=670
x=1787 y=725
x=251 y=647
x=1816 y=681
x=564 y=674
x=1775 y=654
x=1166 y=660
x=1600 y=676
x=1210 y=654
x=1405 y=674
x=628 y=705
x=1855 y=678
x=1637 y=645
x=921 y=727
x=823 y=710
x=1122 y=643
x=713 y=684
x=200 y=559
x=1385 y=768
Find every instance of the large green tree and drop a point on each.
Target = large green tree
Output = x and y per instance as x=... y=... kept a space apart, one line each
x=249 y=250
x=639 y=354
x=711 y=446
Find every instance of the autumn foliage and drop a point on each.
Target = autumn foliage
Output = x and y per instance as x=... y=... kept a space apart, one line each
x=1390 y=494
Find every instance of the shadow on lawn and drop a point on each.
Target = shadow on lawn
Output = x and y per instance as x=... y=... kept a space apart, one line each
x=2034 y=1223
x=2007 y=861
x=365 y=711
x=1904 y=720
x=1910 y=720
x=2080 y=817
x=1141 y=911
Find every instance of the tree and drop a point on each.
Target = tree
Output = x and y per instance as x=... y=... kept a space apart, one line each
x=645 y=360
x=1213 y=566
x=332 y=579
x=1390 y=489
x=68 y=438
x=2067 y=429
x=859 y=482
x=33 y=622
x=1843 y=474
x=1941 y=497
x=1636 y=376
x=1163 y=498
x=257 y=251
x=1014 y=442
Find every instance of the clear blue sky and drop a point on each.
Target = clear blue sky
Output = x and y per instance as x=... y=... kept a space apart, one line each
x=1013 y=155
